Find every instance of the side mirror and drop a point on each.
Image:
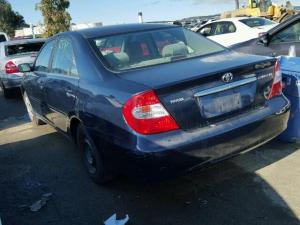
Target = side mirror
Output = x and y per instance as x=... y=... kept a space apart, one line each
x=205 y=31
x=25 y=68
x=264 y=40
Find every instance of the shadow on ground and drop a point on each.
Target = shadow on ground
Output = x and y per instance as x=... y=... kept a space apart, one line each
x=13 y=111
x=224 y=194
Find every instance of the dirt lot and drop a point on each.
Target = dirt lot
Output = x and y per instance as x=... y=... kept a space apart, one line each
x=259 y=187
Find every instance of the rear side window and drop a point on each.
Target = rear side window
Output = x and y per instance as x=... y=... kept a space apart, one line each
x=64 y=59
x=42 y=61
x=257 y=22
x=2 y=38
x=19 y=49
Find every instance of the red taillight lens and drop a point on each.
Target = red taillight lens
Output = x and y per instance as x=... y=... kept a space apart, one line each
x=10 y=67
x=146 y=115
x=277 y=82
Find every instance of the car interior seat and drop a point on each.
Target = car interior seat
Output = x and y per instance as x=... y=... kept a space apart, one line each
x=117 y=60
x=178 y=49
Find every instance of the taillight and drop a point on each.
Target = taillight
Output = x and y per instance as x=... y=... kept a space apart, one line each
x=10 y=67
x=146 y=115
x=276 y=88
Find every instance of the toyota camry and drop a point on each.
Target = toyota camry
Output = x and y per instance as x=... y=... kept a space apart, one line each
x=151 y=100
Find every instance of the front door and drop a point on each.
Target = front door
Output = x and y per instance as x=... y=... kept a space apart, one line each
x=36 y=80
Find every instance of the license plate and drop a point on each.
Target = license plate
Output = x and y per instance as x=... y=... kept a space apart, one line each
x=221 y=105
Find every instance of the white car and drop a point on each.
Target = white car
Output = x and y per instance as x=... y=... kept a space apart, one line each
x=231 y=31
x=12 y=54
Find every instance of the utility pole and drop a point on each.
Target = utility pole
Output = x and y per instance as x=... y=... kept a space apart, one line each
x=237 y=4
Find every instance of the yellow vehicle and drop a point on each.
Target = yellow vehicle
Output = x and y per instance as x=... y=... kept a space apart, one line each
x=263 y=8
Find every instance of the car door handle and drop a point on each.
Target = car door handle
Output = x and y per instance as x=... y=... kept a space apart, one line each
x=70 y=93
x=273 y=54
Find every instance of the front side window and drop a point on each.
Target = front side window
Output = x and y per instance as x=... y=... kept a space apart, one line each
x=25 y=48
x=289 y=34
x=64 y=59
x=207 y=30
x=155 y=47
x=43 y=59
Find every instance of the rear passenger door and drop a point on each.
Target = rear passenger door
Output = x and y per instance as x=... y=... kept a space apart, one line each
x=62 y=85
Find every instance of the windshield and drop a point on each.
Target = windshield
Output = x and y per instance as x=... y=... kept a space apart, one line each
x=134 y=50
x=25 y=48
x=257 y=22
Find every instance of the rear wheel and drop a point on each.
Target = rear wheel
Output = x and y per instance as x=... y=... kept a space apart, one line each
x=92 y=158
x=32 y=115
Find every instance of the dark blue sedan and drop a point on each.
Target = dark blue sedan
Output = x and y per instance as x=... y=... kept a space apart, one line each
x=151 y=100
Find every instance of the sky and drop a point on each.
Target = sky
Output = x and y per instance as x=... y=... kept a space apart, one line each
x=125 y=11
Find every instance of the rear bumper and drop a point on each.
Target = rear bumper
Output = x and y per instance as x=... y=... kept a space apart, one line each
x=157 y=156
x=11 y=82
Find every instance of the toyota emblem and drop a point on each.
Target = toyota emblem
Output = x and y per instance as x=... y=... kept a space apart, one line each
x=227 y=77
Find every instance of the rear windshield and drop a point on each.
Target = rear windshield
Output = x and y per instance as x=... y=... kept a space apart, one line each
x=257 y=22
x=141 y=49
x=2 y=38
x=19 y=49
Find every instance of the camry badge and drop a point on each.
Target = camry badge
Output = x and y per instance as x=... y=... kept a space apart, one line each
x=227 y=77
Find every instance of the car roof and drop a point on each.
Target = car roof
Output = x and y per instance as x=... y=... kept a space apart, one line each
x=122 y=28
x=23 y=41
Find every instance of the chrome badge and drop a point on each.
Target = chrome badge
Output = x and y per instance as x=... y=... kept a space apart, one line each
x=227 y=77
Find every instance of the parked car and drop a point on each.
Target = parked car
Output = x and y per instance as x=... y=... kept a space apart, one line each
x=231 y=31
x=275 y=42
x=153 y=99
x=3 y=37
x=13 y=53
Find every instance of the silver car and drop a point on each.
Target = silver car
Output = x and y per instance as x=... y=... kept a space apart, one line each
x=12 y=54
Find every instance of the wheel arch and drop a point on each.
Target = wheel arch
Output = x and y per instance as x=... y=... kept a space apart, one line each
x=74 y=122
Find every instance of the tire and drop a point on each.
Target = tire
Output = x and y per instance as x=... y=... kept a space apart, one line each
x=92 y=158
x=32 y=115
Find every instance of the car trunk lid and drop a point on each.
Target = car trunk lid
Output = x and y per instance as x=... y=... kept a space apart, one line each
x=210 y=89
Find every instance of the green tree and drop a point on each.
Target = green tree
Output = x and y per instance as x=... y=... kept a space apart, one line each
x=56 y=18
x=9 y=19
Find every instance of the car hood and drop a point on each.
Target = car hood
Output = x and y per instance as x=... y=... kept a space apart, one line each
x=186 y=70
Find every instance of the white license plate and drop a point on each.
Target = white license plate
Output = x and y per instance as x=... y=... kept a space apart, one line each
x=222 y=105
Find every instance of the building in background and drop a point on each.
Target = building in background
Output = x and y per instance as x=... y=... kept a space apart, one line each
x=38 y=30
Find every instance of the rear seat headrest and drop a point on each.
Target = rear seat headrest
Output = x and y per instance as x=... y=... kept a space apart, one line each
x=174 y=50
x=117 y=59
